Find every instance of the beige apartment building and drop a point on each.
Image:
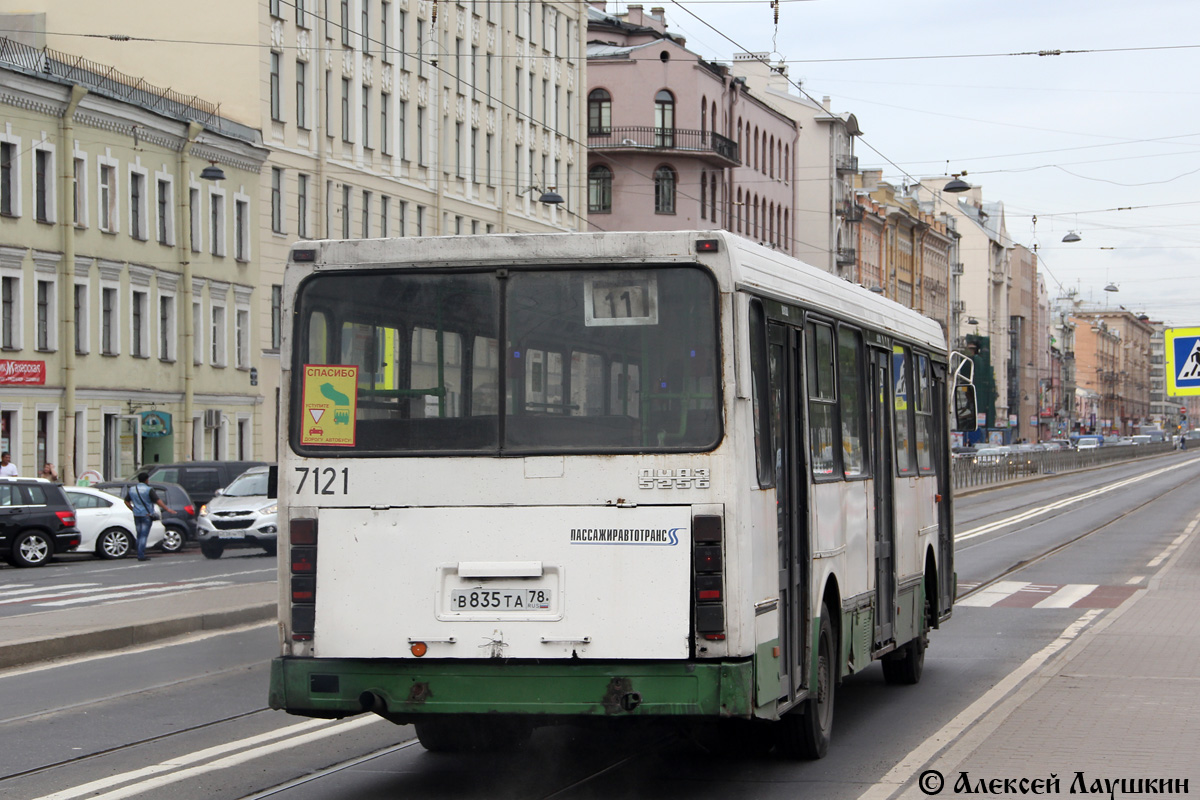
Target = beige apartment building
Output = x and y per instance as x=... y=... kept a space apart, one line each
x=381 y=117
x=826 y=227
x=128 y=275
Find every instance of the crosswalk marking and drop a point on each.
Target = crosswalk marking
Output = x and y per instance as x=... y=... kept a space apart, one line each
x=1017 y=594
x=74 y=594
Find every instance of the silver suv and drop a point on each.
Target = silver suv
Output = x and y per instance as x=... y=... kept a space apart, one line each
x=240 y=515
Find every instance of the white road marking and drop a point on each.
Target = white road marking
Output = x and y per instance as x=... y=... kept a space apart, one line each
x=13 y=591
x=1046 y=509
x=900 y=774
x=54 y=594
x=992 y=594
x=1067 y=596
x=168 y=772
x=1136 y=579
x=159 y=589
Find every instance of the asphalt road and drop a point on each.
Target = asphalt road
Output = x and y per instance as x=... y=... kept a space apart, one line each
x=189 y=720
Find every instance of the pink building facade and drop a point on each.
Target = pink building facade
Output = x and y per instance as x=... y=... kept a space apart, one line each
x=675 y=142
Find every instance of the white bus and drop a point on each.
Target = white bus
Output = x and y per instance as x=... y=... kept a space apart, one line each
x=527 y=479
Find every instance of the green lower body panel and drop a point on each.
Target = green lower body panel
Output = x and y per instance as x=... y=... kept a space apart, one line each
x=407 y=689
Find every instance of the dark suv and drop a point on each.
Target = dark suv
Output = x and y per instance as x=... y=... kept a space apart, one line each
x=36 y=521
x=201 y=479
x=181 y=526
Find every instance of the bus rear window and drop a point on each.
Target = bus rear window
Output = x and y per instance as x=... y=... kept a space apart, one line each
x=592 y=361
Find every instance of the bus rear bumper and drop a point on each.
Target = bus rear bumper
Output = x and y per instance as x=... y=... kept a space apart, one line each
x=404 y=691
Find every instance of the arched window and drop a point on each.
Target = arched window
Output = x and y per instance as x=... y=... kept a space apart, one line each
x=787 y=239
x=754 y=217
x=599 y=113
x=739 y=210
x=787 y=177
x=714 y=118
x=664 y=119
x=599 y=190
x=703 y=115
x=771 y=159
x=770 y=232
x=664 y=190
x=754 y=141
x=703 y=195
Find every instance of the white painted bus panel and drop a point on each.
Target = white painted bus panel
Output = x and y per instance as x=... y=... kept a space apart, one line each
x=610 y=582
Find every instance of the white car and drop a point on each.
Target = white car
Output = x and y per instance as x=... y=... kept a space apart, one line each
x=106 y=524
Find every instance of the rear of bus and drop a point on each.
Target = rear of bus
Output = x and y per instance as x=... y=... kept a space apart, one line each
x=501 y=479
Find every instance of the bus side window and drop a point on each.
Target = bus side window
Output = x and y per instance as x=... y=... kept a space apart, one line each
x=763 y=447
x=905 y=462
x=318 y=338
x=822 y=403
x=924 y=414
x=852 y=392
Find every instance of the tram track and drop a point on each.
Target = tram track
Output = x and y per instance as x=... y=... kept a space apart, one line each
x=1061 y=546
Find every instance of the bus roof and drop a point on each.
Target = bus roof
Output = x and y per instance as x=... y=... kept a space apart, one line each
x=751 y=267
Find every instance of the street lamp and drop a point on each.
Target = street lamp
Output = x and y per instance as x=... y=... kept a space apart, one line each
x=212 y=172
x=957 y=184
x=1072 y=236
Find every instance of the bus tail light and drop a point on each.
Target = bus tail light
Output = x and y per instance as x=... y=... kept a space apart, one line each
x=303 y=537
x=708 y=577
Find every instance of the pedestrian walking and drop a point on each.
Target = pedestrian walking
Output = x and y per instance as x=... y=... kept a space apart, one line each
x=141 y=501
x=7 y=468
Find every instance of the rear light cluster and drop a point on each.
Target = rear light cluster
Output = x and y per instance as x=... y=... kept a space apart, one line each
x=708 y=568
x=303 y=537
x=66 y=518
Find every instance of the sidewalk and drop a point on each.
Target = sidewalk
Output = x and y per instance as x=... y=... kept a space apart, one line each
x=47 y=635
x=1120 y=702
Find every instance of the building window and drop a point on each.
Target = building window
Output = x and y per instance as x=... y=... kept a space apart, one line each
x=10 y=325
x=8 y=179
x=345 y=18
x=163 y=211
x=108 y=198
x=401 y=117
x=274 y=6
x=108 y=321
x=366 y=27
x=241 y=230
x=301 y=17
x=45 y=313
x=345 y=212
x=79 y=193
x=137 y=310
x=216 y=228
x=302 y=95
x=81 y=318
x=703 y=191
x=599 y=190
x=242 y=335
x=664 y=190
x=43 y=185
x=197 y=334
x=276 y=316
x=366 y=215
x=346 y=110
x=166 y=327
x=420 y=136
x=366 y=116
x=137 y=205
x=218 y=336
x=664 y=119
x=385 y=210
x=401 y=216
x=385 y=127
x=385 y=42
x=194 y=220
x=302 y=206
x=276 y=199
x=599 y=113
x=276 y=100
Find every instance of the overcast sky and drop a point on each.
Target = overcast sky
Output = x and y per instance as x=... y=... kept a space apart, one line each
x=1065 y=138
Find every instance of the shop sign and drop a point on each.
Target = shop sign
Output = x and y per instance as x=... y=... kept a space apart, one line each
x=156 y=423
x=22 y=372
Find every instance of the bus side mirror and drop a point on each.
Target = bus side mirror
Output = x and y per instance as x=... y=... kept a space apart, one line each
x=273 y=482
x=964 y=408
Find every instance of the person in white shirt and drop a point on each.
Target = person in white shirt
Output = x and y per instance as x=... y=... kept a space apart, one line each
x=6 y=465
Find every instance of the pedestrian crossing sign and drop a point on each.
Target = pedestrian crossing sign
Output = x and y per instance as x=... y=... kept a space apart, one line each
x=1183 y=361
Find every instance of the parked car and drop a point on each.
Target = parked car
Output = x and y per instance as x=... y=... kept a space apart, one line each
x=242 y=515
x=201 y=479
x=106 y=524
x=180 y=526
x=36 y=521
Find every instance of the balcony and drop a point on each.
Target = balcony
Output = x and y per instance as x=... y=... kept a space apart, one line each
x=708 y=146
x=849 y=211
x=847 y=164
x=956 y=268
x=959 y=306
x=846 y=256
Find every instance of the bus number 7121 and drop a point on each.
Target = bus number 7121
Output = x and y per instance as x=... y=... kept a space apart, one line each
x=323 y=480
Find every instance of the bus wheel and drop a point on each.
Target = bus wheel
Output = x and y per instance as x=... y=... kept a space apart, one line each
x=478 y=735
x=805 y=730
x=903 y=666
